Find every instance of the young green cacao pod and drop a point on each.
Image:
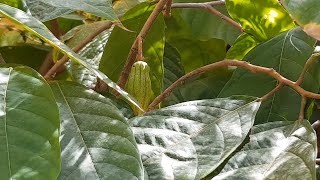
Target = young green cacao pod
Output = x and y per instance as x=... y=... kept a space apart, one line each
x=139 y=85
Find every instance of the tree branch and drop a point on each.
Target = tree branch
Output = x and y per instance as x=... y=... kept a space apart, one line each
x=2 y=61
x=222 y=16
x=272 y=92
x=50 y=74
x=197 y=5
x=253 y=68
x=141 y=36
x=167 y=10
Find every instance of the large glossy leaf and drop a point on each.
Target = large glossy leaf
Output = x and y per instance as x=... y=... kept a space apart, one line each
x=120 y=42
x=29 y=126
x=122 y=6
x=102 y=8
x=35 y=26
x=191 y=139
x=96 y=140
x=45 y=12
x=277 y=150
x=287 y=54
x=306 y=14
x=262 y=19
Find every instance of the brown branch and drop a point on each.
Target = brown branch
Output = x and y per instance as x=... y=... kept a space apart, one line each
x=50 y=74
x=272 y=92
x=253 y=68
x=55 y=28
x=224 y=17
x=197 y=5
x=306 y=68
x=302 y=108
x=134 y=48
x=47 y=64
x=167 y=10
x=2 y=61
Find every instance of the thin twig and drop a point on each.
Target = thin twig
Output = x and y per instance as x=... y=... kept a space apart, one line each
x=50 y=74
x=224 y=17
x=134 y=48
x=253 y=68
x=306 y=68
x=167 y=10
x=47 y=64
x=272 y=92
x=197 y=5
x=2 y=61
x=302 y=108
x=55 y=28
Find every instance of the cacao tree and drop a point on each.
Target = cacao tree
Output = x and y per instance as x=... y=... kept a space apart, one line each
x=135 y=89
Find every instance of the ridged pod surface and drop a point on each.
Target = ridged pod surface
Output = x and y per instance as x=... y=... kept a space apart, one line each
x=139 y=85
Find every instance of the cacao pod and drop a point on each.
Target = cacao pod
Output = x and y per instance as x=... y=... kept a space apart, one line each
x=139 y=85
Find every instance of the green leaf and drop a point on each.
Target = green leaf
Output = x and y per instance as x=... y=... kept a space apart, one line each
x=205 y=26
x=262 y=19
x=120 y=42
x=208 y=85
x=122 y=6
x=45 y=12
x=272 y=154
x=244 y=44
x=196 y=53
x=101 y=8
x=96 y=140
x=14 y=3
x=190 y=140
x=29 y=126
x=26 y=55
x=286 y=53
x=173 y=70
x=306 y=14
x=92 y=52
x=36 y=27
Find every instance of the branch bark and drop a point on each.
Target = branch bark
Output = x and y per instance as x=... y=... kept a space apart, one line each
x=253 y=68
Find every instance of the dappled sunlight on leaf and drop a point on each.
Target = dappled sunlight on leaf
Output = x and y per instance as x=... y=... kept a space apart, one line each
x=262 y=19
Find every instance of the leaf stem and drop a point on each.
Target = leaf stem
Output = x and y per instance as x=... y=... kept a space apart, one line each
x=253 y=68
x=51 y=73
x=272 y=92
x=302 y=108
x=306 y=67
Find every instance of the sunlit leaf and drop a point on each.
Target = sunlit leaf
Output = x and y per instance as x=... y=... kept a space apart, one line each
x=96 y=140
x=262 y=19
x=29 y=126
x=241 y=47
x=36 y=27
x=191 y=139
x=277 y=150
